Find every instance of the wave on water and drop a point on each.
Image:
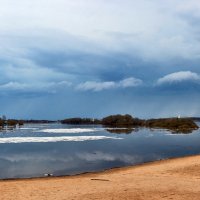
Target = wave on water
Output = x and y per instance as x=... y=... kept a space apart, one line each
x=71 y=130
x=53 y=139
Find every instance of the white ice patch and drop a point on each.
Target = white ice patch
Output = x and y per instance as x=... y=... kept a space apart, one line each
x=28 y=128
x=53 y=139
x=71 y=130
x=78 y=130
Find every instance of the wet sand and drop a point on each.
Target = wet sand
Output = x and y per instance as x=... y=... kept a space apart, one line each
x=171 y=179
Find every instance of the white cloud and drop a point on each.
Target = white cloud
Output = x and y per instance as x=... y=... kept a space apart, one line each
x=47 y=87
x=130 y=82
x=99 y=86
x=179 y=77
x=52 y=87
x=96 y=86
x=13 y=86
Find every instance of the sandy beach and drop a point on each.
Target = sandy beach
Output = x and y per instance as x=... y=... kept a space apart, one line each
x=170 y=179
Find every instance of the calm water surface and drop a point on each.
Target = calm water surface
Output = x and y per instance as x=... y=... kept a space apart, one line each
x=34 y=150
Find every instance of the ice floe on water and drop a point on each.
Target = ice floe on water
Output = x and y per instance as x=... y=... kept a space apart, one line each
x=53 y=139
x=78 y=130
x=71 y=130
x=28 y=128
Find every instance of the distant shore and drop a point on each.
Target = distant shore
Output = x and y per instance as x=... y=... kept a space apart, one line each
x=173 y=124
x=177 y=178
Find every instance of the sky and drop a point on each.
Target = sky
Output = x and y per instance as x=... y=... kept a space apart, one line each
x=93 y=58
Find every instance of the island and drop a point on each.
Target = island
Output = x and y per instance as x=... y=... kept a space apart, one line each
x=175 y=124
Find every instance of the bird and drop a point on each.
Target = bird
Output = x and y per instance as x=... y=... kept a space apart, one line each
x=48 y=175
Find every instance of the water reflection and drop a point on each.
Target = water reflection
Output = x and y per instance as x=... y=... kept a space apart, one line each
x=181 y=131
x=121 y=130
x=7 y=128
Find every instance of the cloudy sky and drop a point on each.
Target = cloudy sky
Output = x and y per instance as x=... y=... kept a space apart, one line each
x=91 y=58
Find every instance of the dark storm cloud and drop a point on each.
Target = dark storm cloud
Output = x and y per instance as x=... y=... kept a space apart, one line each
x=99 y=57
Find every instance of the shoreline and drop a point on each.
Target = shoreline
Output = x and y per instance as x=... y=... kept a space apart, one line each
x=110 y=170
x=173 y=178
